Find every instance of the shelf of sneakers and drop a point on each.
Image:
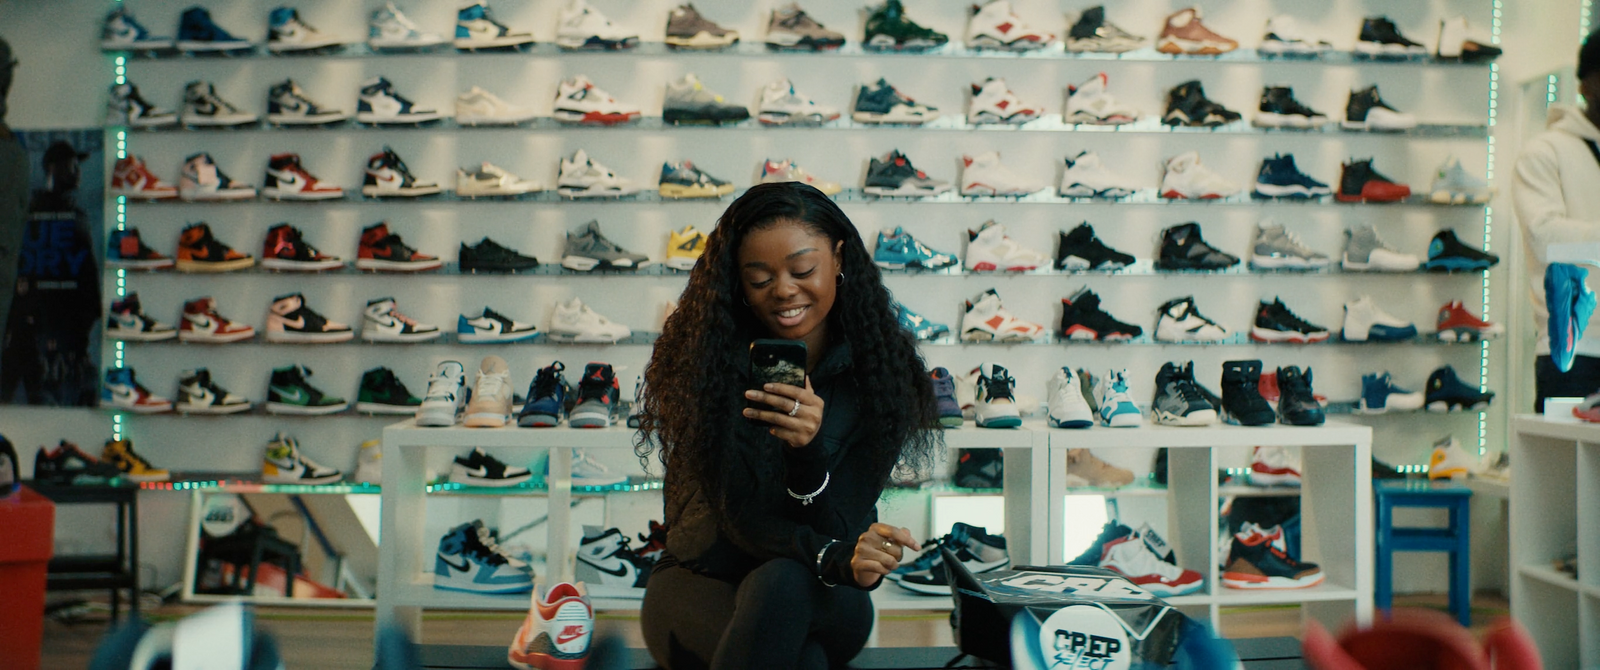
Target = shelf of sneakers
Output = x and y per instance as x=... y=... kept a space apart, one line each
x=636 y=339
x=1236 y=339
x=235 y=482
x=543 y=270
x=1139 y=267
x=1145 y=266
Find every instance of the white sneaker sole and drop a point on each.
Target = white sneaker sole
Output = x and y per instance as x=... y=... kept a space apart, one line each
x=380 y=119
x=1201 y=418
x=213 y=338
x=301 y=410
x=287 y=337
x=282 y=265
x=379 y=336
x=1271 y=120
x=182 y=408
x=436 y=416
x=275 y=194
x=396 y=266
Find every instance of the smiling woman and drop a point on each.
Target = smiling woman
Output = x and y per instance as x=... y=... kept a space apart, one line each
x=768 y=508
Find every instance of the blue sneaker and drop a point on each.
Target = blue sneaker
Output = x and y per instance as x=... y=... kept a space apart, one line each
x=1279 y=178
x=921 y=328
x=547 y=398
x=944 y=394
x=470 y=560
x=1115 y=402
x=930 y=556
x=476 y=28
x=899 y=250
x=1446 y=393
x=1570 y=304
x=1379 y=395
x=1448 y=254
x=122 y=31
x=197 y=32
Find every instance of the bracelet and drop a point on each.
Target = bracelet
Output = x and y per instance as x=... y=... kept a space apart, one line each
x=806 y=499
x=820 y=554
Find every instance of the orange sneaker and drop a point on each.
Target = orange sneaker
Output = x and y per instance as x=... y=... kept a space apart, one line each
x=1185 y=34
x=556 y=633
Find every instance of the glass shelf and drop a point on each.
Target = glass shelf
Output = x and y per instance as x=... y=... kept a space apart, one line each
x=1140 y=267
x=1236 y=339
x=640 y=338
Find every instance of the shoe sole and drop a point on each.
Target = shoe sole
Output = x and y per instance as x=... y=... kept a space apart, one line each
x=911 y=192
x=594 y=118
x=702 y=40
x=302 y=410
x=126 y=336
x=1080 y=118
x=1444 y=406
x=375 y=265
x=211 y=409
x=1459 y=198
x=199 y=338
x=1082 y=191
x=485 y=420
x=539 y=421
x=1200 y=418
x=379 y=408
x=1259 y=334
x=589 y=421
x=470 y=338
x=951 y=421
x=583 y=264
x=281 y=265
x=1464 y=334
x=1290 y=191
x=216 y=196
x=1264 y=479
x=274 y=194
x=1295 y=121
x=162 y=194
x=416 y=191
x=1234 y=580
x=596 y=43
x=287 y=120
x=141 y=265
x=285 y=337
x=210 y=267
x=493 y=43
x=1454 y=265
x=990 y=118
x=1182 y=47
x=436 y=417
x=376 y=120
x=682 y=192
x=999 y=422
x=788 y=119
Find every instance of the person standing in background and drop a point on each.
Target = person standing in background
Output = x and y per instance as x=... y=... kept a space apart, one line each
x=13 y=193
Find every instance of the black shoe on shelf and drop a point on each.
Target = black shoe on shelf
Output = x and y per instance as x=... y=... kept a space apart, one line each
x=1297 y=405
x=1187 y=106
x=1182 y=248
x=980 y=469
x=489 y=256
x=1242 y=404
x=1447 y=253
x=1082 y=250
x=1275 y=323
x=1083 y=319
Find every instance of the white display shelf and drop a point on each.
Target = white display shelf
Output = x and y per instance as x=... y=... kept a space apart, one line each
x=1555 y=502
x=1552 y=576
x=446 y=339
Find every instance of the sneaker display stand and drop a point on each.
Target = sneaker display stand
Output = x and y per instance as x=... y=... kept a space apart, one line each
x=116 y=571
x=1555 y=504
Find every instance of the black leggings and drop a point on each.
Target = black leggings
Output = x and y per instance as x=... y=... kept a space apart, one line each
x=779 y=617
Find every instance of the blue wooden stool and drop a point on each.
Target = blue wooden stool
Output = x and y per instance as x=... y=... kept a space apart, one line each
x=1454 y=539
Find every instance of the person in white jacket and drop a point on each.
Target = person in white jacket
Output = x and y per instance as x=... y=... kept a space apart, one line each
x=1556 y=194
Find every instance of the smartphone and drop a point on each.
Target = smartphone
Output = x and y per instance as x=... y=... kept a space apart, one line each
x=776 y=362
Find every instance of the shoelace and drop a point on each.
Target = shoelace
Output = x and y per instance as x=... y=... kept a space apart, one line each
x=402 y=319
x=1296 y=244
x=1290 y=317
x=999 y=386
x=494 y=554
x=546 y=383
x=1188 y=390
x=493 y=384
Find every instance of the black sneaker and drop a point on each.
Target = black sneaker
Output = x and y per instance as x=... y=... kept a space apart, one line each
x=1082 y=250
x=480 y=469
x=1111 y=531
x=1380 y=37
x=10 y=478
x=383 y=393
x=1242 y=404
x=290 y=393
x=1297 y=405
x=1275 y=323
x=980 y=552
x=1366 y=110
x=1092 y=32
x=1082 y=319
x=1254 y=562
x=883 y=103
x=980 y=469
x=1182 y=248
x=488 y=256
x=388 y=176
x=888 y=29
x=597 y=397
x=1281 y=178
x=1445 y=392
x=68 y=464
x=1446 y=253
x=1178 y=400
x=1187 y=106
x=1279 y=109
x=895 y=175
x=547 y=398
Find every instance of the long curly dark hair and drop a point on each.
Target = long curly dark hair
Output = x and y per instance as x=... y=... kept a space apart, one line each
x=699 y=370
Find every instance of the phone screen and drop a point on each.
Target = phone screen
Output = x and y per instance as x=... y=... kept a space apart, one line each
x=777 y=362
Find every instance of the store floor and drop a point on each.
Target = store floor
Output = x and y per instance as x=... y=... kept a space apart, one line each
x=343 y=639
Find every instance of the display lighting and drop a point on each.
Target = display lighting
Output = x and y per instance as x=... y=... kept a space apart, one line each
x=1488 y=219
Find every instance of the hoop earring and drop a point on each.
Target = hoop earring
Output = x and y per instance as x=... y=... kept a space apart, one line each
x=840 y=282
x=744 y=300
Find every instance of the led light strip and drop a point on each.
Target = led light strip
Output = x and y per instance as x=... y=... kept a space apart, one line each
x=1488 y=222
x=120 y=76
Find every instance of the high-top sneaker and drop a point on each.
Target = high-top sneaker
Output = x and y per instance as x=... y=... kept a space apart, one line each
x=287 y=32
x=580 y=26
x=1090 y=103
x=1285 y=38
x=988 y=320
x=1068 y=408
x=490 y=256
x=1364 y=251
x=122 y=391
x=894 y=175
x=1297 y=404
x=122 y=31
x=1453 y=185
x=989 y=249
x=383 y=251
x=889 y=29
x=980 y=552
x=470 y=559
x=290 y=392
x=598 y=393
x=547 y=398
x=791 y=29
x=1367 y=111
x=390 y=29
x=128 y=322
x=490 y=403
x=1360 y=183
x=1179 y=320
x=781 y=105
x=285 y=250
x=383 y=322
x=1447 y=253
x=380 y=103
x=579 y=101
x=125 y=250
x=444 y=397
x=1448 y=461
x=1185 y=34
x=288 y=105
x=1445 y=392
x=198 y=251
x=1364 y=321
x=995 y=26
x=492 y=326
x=67 y=463
x=558 y=630
x=201 y=179
x=1280 y=178
x=1086 y=469
x=1454 y=43
x=944 y=393
x=476 y=28
x=130 y=178
x=1380 y=37
x=1275 y=323
x=1275 y=248
x=197 y=32
x=1456 y=324
x=134 y=467
x=583 y=177
x=202 y=107
x=1178 y=401
x=287 y=180
x=283 y=463
x=996 y=406
x=1087 y=177
x=1182 y=248
x=1092 y=32
x=993 y=102
x=290 y=320
x=883 y=103
x=1279 y=109
x=202 y=323
x=688 y=29
x=1379 y=394
x=1081 y=249
x=685 y=180
x=573 y=321
x=198 y=394
x=1254 y=562
x=1184 y=176
x=127 y=108
x=1114 y=398
x=1132 y=558
x=1187 y=105
x=1242 y=404
x=1083 y=319
x=381 y=392
x=387 y=175
x=608 y=566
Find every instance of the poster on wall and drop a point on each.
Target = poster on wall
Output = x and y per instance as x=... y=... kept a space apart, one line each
x=51 y=346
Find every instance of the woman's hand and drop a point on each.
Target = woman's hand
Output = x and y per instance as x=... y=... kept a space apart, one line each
x=878 y=553
x=798 y=416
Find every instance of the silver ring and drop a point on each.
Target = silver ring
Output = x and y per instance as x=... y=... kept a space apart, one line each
x=887 y=545
x=796 y=409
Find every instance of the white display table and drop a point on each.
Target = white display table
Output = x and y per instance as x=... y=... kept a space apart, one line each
x=1555 y=500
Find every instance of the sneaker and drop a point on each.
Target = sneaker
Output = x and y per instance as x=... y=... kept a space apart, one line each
x=478 y=107
x=1365 y=252
x=781 y=106
x=388 y=176
x=1360 y=183
x=369 y=464
x=557 y=631
x=130 y=178
x=899 y=250
x=127 y=108
x=588 y=472
x=1280 y=178
x=1115 y=401
x=1364 y=321
x=1367 y=111
x=201 y=179
x=286 y=179
x=390 y=29
x=1112 y=531
x=470 y=560
x=285 y=250
x=1185 y=177
x=636 y=405
x=490 y=403
x=122 y=31
x=197 y=394
x=888 y=29
x=1132 y=558
x=684 y=180
x=476 y=28
x=588 y=250
x=1297 y=404
x=288 y=105
x=383 y=322
x=1179 y=320
x=791 y=29
x=984 y=174
x=547 y=398
x=1187 y=105
x=882 y=103
x=379 y=104
x=988 y=320
x=1178 y=401
x=1083 y=319
x=688 y=29
x=921 y=328
x=1093 y=33
x=68 y=464
x=1275 y=323
x=979 y=553
x=283 y=463
x=1448 y=461
x=288 y=392
x=1090 y=103
x=202 y=323
x=290 y=320
x=1275 y=248
x=120 y=453
x=203 y=107
x=1254 y=562
x=1067 y=406
x=1448 y=254
x=995 y=404
x=444 y=397
x=583 y=27
x=1279 y=109
x=382 y=392
x=122 y=391
x=1084 y=469
x=894 y=175
x=197 y=32
x=598 y=393
x=1185 y=34
x=688 y=101
x=1456 y=324
x=287 y=33
x=1182 y=248
x=775 y=172
x=1379 y=394
x=684 y=248
x=1081 y=249
x=1242 y=403
x=1453 y=43
x=1569 y=302
x=608 y=566
x=492 y=327
x=944 y=394
x=582 y=177
x=1380 y=37
x=1445 y=392
x=198 y=251
x=1284 y=37
x=1087 y=177
x=127 y=322
x=491 y=181
x=989 y=250
x=995 y=26
x=1273 y=466
x=1452 y=185
x=573 y=321
x=993 y=102
x=489 y=256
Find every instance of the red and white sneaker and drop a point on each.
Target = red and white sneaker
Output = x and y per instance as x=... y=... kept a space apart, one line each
x=122 y=391
x=131 y=178
x=201 y=323
x=1273 y=466
x=557 y=631
x=1130 y=557
x=1456 y=324
x=288 y=180
x=988 y=320
x=383 y=251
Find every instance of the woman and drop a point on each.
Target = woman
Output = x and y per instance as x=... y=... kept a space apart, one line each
x=772 y=539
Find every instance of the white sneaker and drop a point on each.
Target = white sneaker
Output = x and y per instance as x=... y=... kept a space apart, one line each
x=984 y=174
x=1448 y=461
x=988 y=320
x=582 y=27
x=201 y=179
x=390 y=29
x=1186 y=177
x=1273 y=466
x=773 y=172
x=379 y=103
x=1363 y=320
x=558 y=629
x=490 y=180
x=369 y=464
x=1068 y=407
x=197 y=394
x=288 y=105
x=492 y=326
x=1364 y=251
x=988 y=249
x=1284 y=36
x=1180 y=321
x=282 y=463
x=476 y=28
x=782 y=106
x=578 y=100
x=573 y=321
x=1132 y=558
x=1091 y=103
x=994 y=26
x=444 y=396
x=203 y=107
x=1087 y=177
x=582 y=177
x=995 y=404
x=1114 y=396
x=477 y=107
x=993 y=102
x=586 y=471
x=287 y=33
x=490 y=406
x=383 y=322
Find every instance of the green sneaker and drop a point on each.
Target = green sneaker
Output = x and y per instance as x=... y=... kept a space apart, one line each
x=888 y=29
x=383 y=393
x=290 y=393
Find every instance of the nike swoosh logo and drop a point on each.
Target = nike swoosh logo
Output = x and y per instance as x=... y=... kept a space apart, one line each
x=286 y=178
x=202 y=322
x=463 y=566
x=290 y=395
x=296 y=324
x=200 y=254
x=621 y=571
x=388 y=177
x=564 y=637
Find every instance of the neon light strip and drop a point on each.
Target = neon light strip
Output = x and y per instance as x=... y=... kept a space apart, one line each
x=1488 y=220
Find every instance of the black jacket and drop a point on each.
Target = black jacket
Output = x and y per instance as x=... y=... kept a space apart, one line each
x=765 y=522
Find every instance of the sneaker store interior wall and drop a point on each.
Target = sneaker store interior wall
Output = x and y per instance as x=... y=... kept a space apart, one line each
x=63 y=78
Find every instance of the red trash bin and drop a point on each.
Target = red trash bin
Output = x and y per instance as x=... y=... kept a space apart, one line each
x=28 y=520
